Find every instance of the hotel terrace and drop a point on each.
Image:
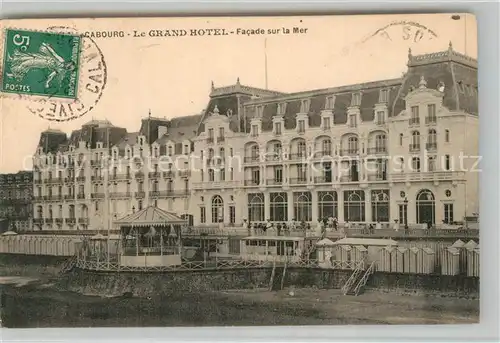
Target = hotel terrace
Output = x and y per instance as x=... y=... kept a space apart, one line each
x=379 y=151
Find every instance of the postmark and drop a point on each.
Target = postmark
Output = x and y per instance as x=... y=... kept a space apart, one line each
x=41 y=63
x=410 y=31
x=83 y=82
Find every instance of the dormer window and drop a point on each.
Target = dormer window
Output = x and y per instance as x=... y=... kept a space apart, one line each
x=301 y=126
x=352 y=120
x=356 y=99
x=415 y=116
x=431 y=114
x=380 y=117
x=304 y=105
x=260 y=110
x=99 y=145
x=277 y=129
x=210 y=135
x=221 y=135
x=330 y=102
x=186 y=149
x=255 y=130
x=326 y=123
x=383 y=96
x=281 y=108
x=170 y=150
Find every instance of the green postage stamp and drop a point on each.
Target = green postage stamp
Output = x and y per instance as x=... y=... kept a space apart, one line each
x=41 y=63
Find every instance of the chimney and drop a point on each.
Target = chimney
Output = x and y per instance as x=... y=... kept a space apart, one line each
x=162 y=130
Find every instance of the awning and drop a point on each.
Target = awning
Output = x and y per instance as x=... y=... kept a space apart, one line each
x=150 y=216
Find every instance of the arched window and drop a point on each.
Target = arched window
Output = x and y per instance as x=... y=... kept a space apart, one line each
x=170 y=150
x=301 y=148
x=327 y=205
x=217 y=209
x=425 y=207
x=279 y=207
x=380 y=143
x=256 y=207
x=432 y=138
x=254 y=151
x=211 y=175
x=302 y=206
x=380 y=205
x=415 y=164
x=354 y=206
x=415 y=139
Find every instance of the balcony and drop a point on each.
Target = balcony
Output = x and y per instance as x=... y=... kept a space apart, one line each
x=414 y=147
x=139 y=175
x=96 y=163
x=38 y=198
x=120 y=195
x=430 y=120
x=49 y=220
x=414 y=121
x=55 y=180
x=38 y=221
x=170 y=193
x=185 y=173
x=80 y=178
x=298 y=181
x=69 y=179
x=428 y=176
x=210 y=140
x=140 y=194
x=349 y=152
x=323 y=179
x=274 y=156
x=220 y=139
x=431 y=146
x=154 y=175
x=251 y=159
x=97 y=195
x=59 y=220
x=80 y=163
x=277 y=133
x=377 y=177
x=70 y=221
x=323 y=153
x=119 y=177
x=274 y=182
x=349 y=178
x=252 y=183
x=37 y=181
x=97 y=178
x=169 y=174
x=80 y=196
x=380 y=122
x=69 y=197
x=377 y=150
x=216 y=184
x=84 y=221
x=297 y=156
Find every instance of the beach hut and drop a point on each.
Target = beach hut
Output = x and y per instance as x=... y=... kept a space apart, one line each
x=345 y=254
x=359 y=253
x=428 y=260
x=325 y=249
x=373 y=246
x=384 y=261
x=402 y=264
x=460 y=246
x=450 y=262
x=473 y=262
x=415 y=262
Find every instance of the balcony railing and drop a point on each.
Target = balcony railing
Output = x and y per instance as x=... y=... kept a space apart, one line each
x=55 y=180
x=251 y=183
x=377 y=150
x=298 y=181
x=70 y=221
x=168 y=174
x=94 y=163
x=37 y=221
x=69 y=197
x=49 y=220
x=430 y=120
x=220 y=139
x=80 y=196
x=377 y=177
x=84 y=221
x=97 y=178
x=349 y=178
x=277 y=133
x=97 y=195
x=297 y=156
x=185 y=173
x=38 y=198
x=210 y=140
x=170 y=193
x=120 y=195
x=250 y=159
x=323 y=153
x=140 y=194
x=139 y=175
x=37 y=181
x=274 y=182
x=274 y=156
x=414 y=147
x=349 y=152
x=428 y=176
x=414 y=121
x=154 y=175
x=80 y=178
x=59 y=220
x=216 y=184
x=431 y=146
x=323 y=179
x=119 y=177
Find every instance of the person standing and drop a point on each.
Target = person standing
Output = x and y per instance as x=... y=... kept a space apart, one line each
x=396 y=225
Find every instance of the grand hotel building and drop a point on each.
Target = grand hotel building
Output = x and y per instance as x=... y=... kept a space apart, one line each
x=399 y=149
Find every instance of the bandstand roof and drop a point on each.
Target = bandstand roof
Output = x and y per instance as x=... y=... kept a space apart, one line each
x=9 y=233
x=366 y=241
x=150 y=216
x=325 y=242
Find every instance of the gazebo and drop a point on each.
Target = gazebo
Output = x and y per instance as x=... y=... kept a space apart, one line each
x=150 y=237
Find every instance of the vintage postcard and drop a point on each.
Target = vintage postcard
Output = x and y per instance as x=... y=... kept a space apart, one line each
x=215 y=171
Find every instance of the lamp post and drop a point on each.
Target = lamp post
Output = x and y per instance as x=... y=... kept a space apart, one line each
x=406 y=215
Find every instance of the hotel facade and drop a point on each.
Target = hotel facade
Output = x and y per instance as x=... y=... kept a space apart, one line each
x=401 y=149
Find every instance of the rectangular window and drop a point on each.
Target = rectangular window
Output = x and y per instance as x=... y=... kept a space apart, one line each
x=222 y=174
x=356 y=99
x=431 y=110
x=232 y=214
x=448 y=213
x=304 y=106
x=384 y=95
x=380 y=119
x=278 y=174
x=302 y=172
x=326 y=123
x=330 y=103
x=415 y=116
x=256 y=176
x=211 y=176
x=352 y=120
x=203 y=215
x=281 y=108
x=211 y=133
x=221 y=132
x=255 y=130
x=447 y=162
x=231 y=174
x=260 y=110
x=432 y=163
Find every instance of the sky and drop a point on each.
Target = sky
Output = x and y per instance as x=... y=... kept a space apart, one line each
x=171 y=76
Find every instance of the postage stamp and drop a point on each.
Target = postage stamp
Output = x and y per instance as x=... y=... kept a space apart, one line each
x=41 y=63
